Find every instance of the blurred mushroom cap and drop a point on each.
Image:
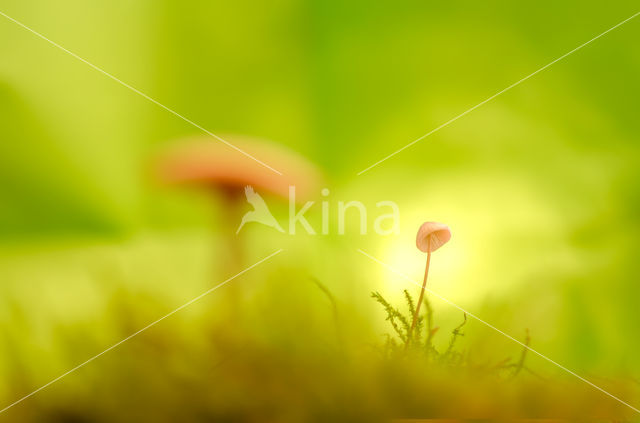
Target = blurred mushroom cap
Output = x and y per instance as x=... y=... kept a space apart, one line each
x=431 y=236
x=208 y=162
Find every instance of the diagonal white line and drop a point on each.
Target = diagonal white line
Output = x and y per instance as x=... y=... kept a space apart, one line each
x=138 y=332
x=140 y=93
x=496 y=95
x=498 y=330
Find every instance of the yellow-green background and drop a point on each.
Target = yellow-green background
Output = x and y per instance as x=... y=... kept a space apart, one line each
x=540 y=185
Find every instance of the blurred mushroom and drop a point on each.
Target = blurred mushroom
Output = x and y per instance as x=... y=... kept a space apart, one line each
x=431 y=236
x=212 y=165
x=201 y=161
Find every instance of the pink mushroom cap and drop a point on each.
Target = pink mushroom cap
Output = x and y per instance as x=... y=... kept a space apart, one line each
x=209 y=162
x=431 y=236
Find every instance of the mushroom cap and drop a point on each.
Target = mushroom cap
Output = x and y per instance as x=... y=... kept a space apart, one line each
x=431 y=236
x=208 y=162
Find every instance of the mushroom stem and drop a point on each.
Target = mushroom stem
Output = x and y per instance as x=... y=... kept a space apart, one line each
x=424 y=284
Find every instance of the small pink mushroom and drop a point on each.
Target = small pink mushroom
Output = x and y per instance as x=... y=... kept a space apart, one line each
x=431 y=236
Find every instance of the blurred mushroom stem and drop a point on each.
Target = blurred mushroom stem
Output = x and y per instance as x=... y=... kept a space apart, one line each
x=232 y=209
x=424 y=284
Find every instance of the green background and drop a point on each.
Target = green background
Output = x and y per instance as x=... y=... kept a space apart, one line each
x=539 y=186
